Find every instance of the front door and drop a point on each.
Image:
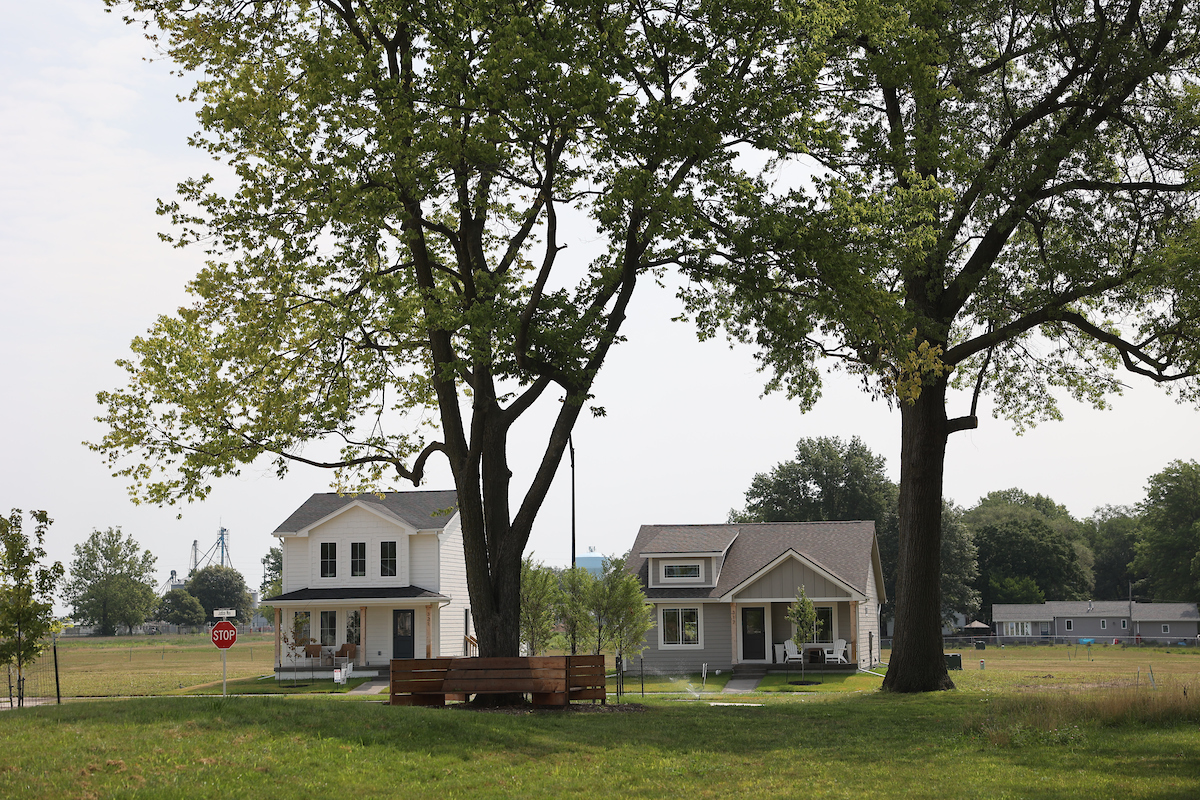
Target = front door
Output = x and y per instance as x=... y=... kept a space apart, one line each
x=754 y=633
x=404 y=642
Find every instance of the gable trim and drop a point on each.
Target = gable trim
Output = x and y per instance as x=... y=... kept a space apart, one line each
x=790 y=553
x=356 y=503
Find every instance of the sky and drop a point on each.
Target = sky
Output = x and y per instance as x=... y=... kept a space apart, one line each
x=91 y=135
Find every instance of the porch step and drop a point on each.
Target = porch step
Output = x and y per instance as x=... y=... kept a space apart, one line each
x=749 y=670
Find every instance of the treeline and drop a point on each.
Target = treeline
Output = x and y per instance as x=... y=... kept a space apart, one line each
x=1010 y=546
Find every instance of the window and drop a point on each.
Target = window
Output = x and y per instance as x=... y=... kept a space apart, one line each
x=1103 y=624
x=681 y=571
x=824 y=624
x=1070 y=625
x=1166 y=628
x=387 y=558
x=680 y=627
x=353 y=627
x=358 y=558
x=328 y=559
x=1124 y=624
x=328 y=628
x=1018 y=629
x=301 y=628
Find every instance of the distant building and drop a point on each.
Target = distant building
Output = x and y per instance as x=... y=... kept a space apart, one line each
x=1119 y=620
x=591 y=562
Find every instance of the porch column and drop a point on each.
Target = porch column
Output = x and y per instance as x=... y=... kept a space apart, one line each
x=278 y=633
x=362 y=636
x=854 y=631
x=733 y=630
x=428 y=631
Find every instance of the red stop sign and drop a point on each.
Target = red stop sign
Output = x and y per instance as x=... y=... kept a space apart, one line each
x=224 y=634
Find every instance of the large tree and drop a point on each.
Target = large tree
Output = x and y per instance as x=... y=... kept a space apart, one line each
x=111 y=582
x=27 y=587
x=1113 y=535
x=217 y=586
x=1010 y=210
x=1024 y=557
x=391 y=272
x=830 y=479
x=1168 y=547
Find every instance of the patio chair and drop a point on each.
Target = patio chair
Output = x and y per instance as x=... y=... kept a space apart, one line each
x=315 y=651
x=791 y=652
x=836 y=652
x=345 y=654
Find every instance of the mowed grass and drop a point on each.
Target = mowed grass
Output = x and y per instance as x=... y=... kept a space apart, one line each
x=1033 y=724
x=123 y=666
x=951 y=744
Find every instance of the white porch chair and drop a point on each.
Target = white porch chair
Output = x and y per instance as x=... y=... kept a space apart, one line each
x=836 y=652
x=791 y=652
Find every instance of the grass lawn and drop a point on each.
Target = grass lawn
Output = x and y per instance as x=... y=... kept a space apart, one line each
x=1037 y=722
x=961 y=744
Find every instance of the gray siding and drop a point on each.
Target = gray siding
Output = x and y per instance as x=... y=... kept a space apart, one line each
x=717 y=644
x=655 y=573
x=782 y=581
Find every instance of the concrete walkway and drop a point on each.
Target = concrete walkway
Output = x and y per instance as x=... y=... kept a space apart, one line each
x=371 y=687
x=741 y=685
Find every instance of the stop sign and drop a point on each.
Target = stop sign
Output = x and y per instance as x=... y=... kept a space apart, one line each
x=224 y=634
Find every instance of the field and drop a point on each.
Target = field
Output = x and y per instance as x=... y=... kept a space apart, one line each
x=1035 y=723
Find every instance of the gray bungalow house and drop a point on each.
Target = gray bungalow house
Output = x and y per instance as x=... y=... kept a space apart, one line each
x=720 y=592
x=1120 y=620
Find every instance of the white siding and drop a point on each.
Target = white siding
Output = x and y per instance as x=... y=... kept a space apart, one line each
x=358 y=525
x=867 y=646
x=423 y=555
x=454 y=585
x=295 y=563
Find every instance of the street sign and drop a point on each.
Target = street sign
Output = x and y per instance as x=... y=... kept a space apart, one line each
x=224 y=634
x=224 y=612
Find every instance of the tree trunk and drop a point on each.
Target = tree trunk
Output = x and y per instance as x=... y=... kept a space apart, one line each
x=917 y=664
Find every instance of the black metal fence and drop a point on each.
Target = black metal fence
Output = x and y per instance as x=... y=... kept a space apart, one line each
x=35 y=684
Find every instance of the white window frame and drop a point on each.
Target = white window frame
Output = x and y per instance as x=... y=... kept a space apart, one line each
x=329 y=631
x=358 y=559
x=699 y=609
x=690 y=562
x=1103 y=624
x=1070 y=624
x=1124 y=624
x=1018 y=629
x=384 y=560
x=327 y=563
x=1166 y=628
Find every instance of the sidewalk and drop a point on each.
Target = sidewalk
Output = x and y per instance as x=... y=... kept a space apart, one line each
x=371 y=687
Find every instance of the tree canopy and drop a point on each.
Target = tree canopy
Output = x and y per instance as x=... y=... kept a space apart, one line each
x=111 y=582
x=180 y=608
x=1007 y=207
x=26 y=589
x=217 y=586
x=391 y=275
x=1169 y=547
x=1023 y=557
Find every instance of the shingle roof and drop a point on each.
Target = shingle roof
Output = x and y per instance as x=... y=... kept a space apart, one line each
x=360 y=593
x=422 y=510
x=1084 y=609
x=841 y=548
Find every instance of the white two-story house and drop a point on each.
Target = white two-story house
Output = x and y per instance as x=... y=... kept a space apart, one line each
x=383 y=572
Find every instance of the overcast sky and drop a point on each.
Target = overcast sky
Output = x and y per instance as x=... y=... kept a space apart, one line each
x=91 y=135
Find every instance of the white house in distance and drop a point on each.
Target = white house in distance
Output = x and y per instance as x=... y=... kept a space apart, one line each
x=382 y=572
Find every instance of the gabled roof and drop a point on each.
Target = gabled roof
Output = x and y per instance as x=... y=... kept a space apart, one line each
x=422 y=510
x=843 y=549
x=1094 y=609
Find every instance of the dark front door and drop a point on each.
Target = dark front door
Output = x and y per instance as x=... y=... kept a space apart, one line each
x=403 y=640
x=754 y=633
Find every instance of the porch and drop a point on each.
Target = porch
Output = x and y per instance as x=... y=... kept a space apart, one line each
x=761 y=633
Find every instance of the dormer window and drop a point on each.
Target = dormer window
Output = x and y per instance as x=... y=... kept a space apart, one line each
x=691 y=571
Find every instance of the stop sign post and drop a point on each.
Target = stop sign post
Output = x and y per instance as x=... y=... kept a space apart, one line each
x=224 y=636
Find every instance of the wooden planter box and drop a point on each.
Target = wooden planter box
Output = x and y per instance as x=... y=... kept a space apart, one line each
x=548 y=680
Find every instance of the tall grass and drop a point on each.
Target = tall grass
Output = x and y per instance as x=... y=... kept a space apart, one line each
x=1064 y=717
